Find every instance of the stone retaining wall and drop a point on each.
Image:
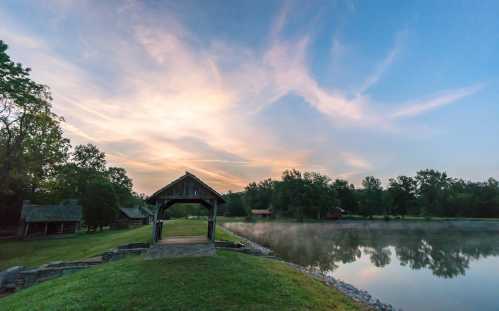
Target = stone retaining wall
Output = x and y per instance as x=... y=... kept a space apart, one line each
x=28 y=278
x=19 y=277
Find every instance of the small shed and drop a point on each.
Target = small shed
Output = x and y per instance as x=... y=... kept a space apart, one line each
x=129 y=217
x=261 y=213
x=49 y=219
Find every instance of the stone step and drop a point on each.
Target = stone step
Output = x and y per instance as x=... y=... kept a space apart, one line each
x=178 y=250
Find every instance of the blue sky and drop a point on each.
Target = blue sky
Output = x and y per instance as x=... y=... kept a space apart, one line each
x=237 y=91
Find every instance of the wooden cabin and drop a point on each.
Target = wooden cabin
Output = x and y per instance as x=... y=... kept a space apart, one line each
x=49 y=219
x=130 y=217
x=149 y=215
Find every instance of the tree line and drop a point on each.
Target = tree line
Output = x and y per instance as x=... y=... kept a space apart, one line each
x=38 y=163
x=430 y=193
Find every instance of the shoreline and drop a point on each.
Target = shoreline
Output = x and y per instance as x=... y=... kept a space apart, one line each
x=358 y=295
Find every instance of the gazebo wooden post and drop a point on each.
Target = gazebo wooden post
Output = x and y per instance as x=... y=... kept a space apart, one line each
x=26 y=229
x=155 y=224
x=215 y=205
x=210 y=223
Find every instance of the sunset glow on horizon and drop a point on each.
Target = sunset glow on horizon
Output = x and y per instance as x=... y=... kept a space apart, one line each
x=239 y=91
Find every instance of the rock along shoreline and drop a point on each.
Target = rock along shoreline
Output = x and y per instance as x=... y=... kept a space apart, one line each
x=351 y=291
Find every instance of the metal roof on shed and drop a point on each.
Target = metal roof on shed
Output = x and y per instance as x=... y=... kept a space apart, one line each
x=70 y=212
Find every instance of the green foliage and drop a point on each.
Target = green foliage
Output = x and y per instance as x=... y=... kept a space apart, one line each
x=258 y=196
x=186 y=210
x=35 y=162
x=297 y=195
x=403 y=194
x=429 y=194
x=320 y=195
x=122 y=185
x=371 y=197
x=89 y=157
x=119 y=178
x=31 y=141
x=99 y=202
x=345 y=193
x=234 y=205
x=432 y=191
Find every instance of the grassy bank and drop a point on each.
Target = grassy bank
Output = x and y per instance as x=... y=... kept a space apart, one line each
x=84 y=245
x=227 y=281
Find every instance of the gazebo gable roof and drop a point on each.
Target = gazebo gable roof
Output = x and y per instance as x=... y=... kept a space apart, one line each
x=166 y=191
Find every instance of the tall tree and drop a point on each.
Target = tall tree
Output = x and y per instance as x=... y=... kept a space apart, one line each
x=372 y=196
x=100 y=204
x=234 y=205
x=31 y=141
x=89 y=157
x=294 y=193
x=259 y=196
x=80 y=178
x=345 y=194
x=432 y=191
x=403 y=193
x=122 y=186
x=320 y=195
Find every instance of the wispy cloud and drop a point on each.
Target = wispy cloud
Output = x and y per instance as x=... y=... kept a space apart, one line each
x=279 y=21
x=380 y=69
x=173 y=104
x=289 y=72
x=435 y=102
x=355 y=161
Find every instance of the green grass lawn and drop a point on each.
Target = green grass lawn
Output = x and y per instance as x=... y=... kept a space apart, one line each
x=186 y=227
x=84 y=245
x=227 y=281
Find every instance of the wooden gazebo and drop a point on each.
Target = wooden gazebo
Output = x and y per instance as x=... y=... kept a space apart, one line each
x=186 y=189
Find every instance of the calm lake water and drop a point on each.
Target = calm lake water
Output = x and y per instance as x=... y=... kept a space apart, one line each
x=411 y=265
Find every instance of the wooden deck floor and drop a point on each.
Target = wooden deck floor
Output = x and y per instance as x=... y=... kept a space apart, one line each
x=184 y=240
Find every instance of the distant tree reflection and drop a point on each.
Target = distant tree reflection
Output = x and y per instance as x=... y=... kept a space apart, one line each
x=446 y=251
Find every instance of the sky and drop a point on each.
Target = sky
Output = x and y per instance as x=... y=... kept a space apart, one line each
x=238 y=91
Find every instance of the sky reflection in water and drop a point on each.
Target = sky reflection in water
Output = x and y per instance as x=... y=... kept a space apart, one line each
x=412 y=265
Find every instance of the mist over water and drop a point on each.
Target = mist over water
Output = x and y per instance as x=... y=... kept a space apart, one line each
x=452 y=265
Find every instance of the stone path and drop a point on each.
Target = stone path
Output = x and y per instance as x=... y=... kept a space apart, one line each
x=185 y=240
x=161 y=250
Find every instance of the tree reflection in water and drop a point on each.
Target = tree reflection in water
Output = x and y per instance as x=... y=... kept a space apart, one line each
x=445 y=248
